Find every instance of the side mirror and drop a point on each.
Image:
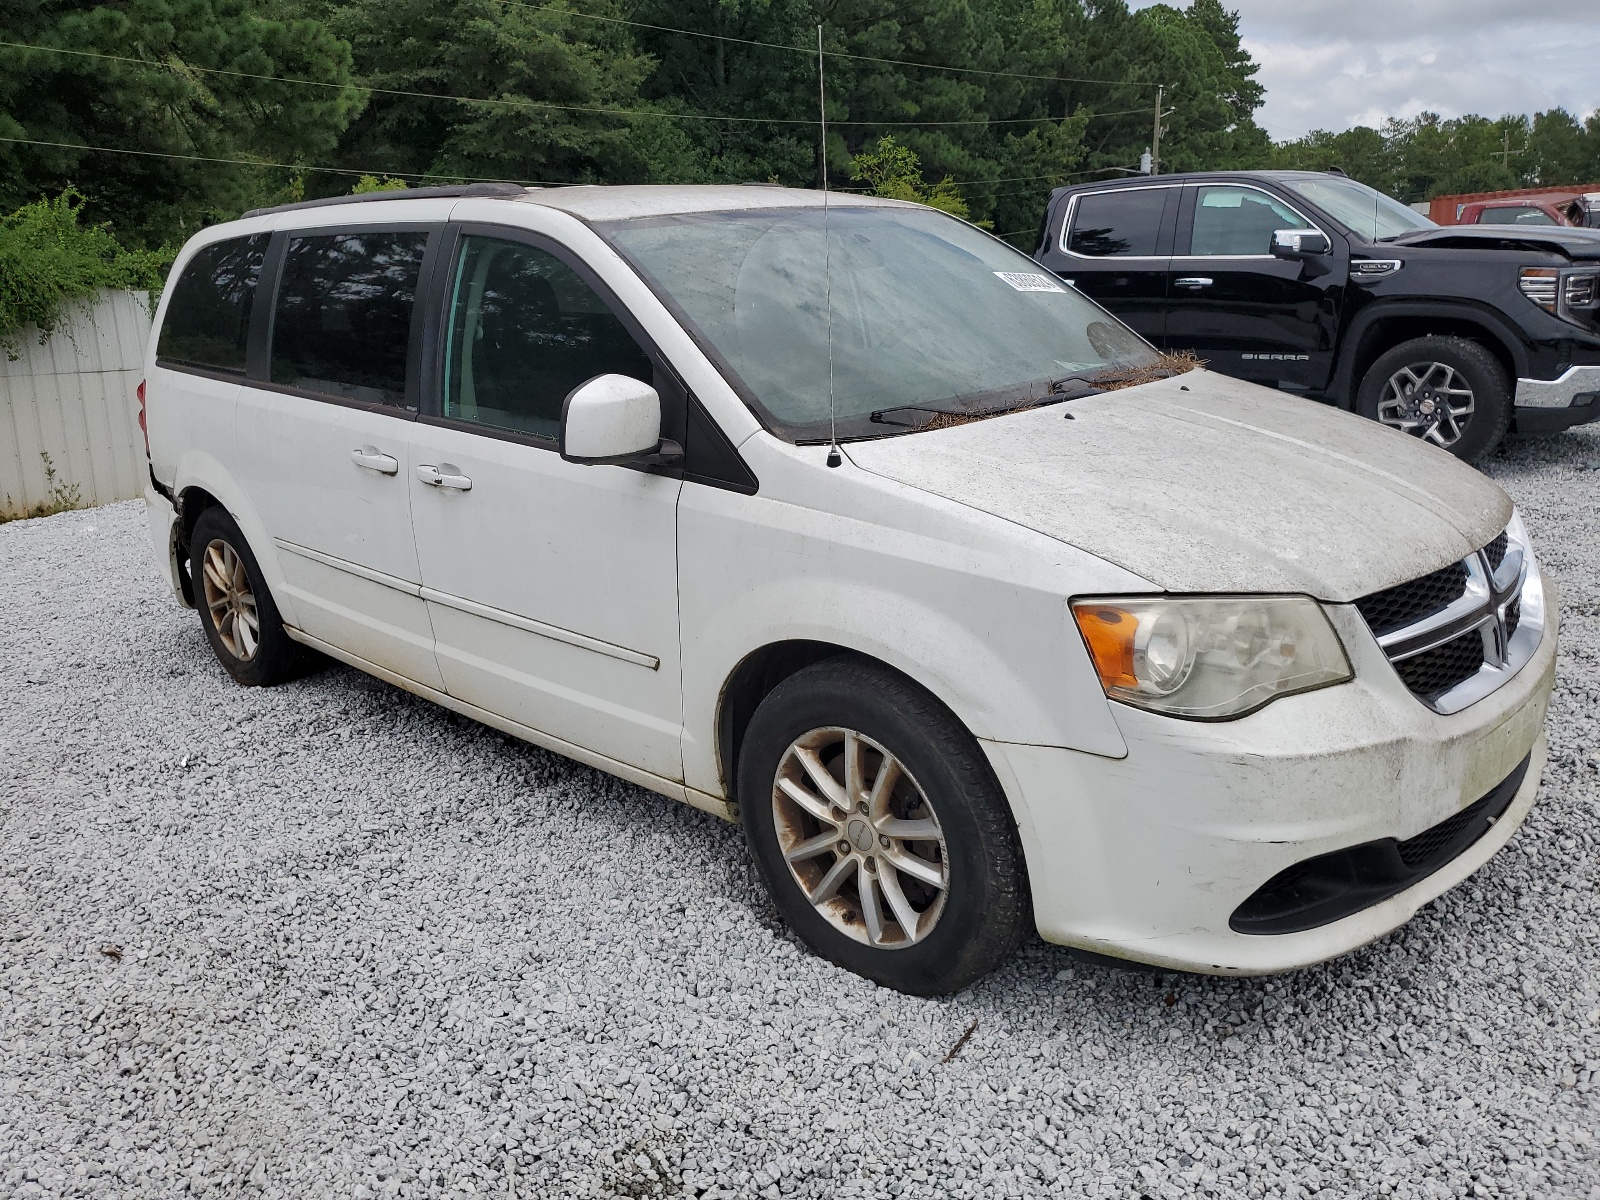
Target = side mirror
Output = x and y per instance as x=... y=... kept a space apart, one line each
x=1299 y=243
x=614 y=419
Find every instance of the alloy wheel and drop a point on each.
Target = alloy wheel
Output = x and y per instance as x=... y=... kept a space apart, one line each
x=230 y=601
x=1429 y=400
x=860 y=838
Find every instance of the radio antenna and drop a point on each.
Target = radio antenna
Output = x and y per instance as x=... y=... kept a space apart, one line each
x=834 y=457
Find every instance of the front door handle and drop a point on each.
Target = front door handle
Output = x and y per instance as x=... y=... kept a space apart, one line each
x=445 y=475
x=1192 y=281
x=374 y=459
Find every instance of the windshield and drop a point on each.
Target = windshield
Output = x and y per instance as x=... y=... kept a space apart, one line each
x=928 y=315
x=1360 y=209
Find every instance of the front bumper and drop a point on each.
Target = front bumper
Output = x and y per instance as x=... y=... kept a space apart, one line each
x=1548 y=405
x=1148 y=857
x=1571 y=384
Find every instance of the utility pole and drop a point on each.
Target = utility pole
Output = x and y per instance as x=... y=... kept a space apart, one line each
x=1505 y=152
x=1155 y=136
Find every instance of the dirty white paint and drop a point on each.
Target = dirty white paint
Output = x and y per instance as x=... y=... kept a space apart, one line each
x=71 y=396
x=1202 y=483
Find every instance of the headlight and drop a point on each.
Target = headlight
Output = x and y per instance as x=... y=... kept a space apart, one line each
x=1571 y=295
x=1209 y=658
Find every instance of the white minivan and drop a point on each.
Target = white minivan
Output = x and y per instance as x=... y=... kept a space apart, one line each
x=839 y=518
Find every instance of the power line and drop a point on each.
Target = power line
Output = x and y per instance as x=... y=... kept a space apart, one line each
x=250 y=162
x=1033 y=178
x=534 y=104
x=382 y=91
x=807 y=50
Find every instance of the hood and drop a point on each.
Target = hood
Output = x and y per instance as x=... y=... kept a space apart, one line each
x=1576 y=244
x=1201 y=483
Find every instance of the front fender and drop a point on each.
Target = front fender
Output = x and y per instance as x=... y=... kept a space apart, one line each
x=1452 y=313
x=999 y=650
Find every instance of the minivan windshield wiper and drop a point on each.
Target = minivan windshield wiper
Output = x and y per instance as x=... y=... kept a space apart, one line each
x=1068 y=387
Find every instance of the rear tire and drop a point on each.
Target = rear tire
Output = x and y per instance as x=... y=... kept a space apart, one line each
x=905 y=868
x=236 y=610
x=1448 y=391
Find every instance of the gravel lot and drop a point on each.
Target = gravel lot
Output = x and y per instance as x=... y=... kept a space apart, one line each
x=329 y=940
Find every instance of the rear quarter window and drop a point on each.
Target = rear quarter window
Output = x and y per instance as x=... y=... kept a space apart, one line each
x=207 y=322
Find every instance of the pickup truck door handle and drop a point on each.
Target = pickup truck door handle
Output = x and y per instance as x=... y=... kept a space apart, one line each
x=374 y=459
x=445 y=475
x=1192 y=281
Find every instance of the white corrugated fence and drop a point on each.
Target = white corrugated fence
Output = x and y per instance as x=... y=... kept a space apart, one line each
x=72 y=399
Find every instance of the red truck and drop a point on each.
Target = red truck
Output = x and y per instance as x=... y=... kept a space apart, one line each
x=1573 y=206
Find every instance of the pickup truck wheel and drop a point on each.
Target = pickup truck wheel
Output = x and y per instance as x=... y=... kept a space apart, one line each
x=1446 y=390
x=880 y=829
x=236 y=611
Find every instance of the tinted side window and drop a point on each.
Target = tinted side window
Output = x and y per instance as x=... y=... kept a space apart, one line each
x=525 y=329
x=1236 y=220
x=342 y=322
x=1116 y=223
x=207 y=323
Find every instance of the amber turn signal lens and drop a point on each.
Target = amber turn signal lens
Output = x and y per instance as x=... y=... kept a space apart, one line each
x=1109 y=632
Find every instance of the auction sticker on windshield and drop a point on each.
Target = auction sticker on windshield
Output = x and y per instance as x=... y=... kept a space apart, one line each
x=1030 y=281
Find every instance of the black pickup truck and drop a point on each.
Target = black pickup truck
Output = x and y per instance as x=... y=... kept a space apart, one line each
x=1319 y=285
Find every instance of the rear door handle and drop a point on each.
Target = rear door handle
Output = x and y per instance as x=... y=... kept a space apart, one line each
x=445 y=475
x=1192 y=281
x=374 y=459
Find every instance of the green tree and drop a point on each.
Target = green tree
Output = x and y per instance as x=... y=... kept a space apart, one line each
x=892 y=171
x=1560 y=150
x=168 y=100
x=544 y=82
x=1429 y=156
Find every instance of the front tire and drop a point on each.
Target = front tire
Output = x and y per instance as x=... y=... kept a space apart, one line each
x=1449 y=391
x=236 y=610
x=880 y=829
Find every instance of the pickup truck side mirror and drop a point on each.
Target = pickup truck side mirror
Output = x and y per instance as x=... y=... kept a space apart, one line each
x=614 y=419
x=1299 y=243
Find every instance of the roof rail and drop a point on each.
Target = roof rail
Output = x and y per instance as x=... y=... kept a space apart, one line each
x=505 y=190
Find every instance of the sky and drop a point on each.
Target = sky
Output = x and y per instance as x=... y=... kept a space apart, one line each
x=1331 y=64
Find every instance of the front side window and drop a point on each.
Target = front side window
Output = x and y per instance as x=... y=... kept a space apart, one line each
x=1125 y=223
x=525 y=329
x=342 y=324
x=1238 y=221
x=207 y=323
x=902 y=314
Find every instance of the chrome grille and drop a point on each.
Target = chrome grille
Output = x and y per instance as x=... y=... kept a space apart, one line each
x=1436 y=671
x=1495 y=551
x=1456 y=634
x=1402 y=604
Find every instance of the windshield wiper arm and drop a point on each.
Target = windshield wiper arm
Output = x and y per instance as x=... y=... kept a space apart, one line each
x=880 y=416
x=1056 y=390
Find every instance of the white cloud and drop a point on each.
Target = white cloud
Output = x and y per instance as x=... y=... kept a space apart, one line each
x=1331 y=64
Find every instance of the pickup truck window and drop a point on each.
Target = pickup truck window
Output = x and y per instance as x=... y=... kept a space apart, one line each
x=1360 y=209
x=1515 y=216
x=1231 y=221
x=1120 y=223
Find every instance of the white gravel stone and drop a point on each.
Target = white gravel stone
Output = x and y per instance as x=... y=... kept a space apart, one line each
x=329 y=940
